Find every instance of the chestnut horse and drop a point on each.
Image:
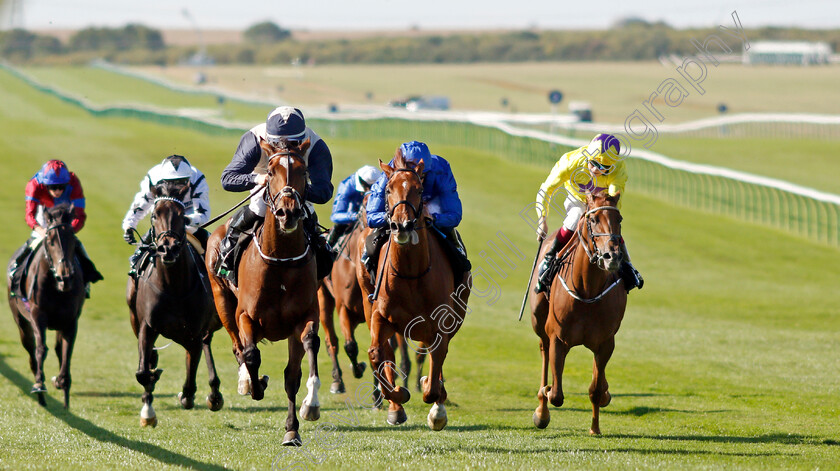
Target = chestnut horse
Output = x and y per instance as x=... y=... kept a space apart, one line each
x=415 y=294
x=54 y=293
x=585 y=307
x=172 y=298
x=340 y=291
x=277 y=294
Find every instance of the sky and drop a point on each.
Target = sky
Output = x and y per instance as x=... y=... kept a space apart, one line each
x=401 y=14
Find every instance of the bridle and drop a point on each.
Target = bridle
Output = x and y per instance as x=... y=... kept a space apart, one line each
x=157 y=239
x=418 y=211
x=271 y=200
x=596 y=257
x=71 y=267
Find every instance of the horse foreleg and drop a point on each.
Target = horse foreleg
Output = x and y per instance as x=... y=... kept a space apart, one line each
x=39 y=331
x=310 y=407
x=420 y=358
x=405 y=362
x=382 y=362
x=541 y=415
x=599 y=389
x=27 y=338
x=291 y=376
x=348 y=328
x=215 y=401
x=433 y=390
x=64 y=342
x=187 y=395
x=147 y=373
x=327 y=306
x=251 y=358
x=557 y=360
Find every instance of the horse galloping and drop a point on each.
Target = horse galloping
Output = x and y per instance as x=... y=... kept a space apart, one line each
x=172 y=298
x=276 y=297
x=414 y=293
x=585 y=307
x=53 y=294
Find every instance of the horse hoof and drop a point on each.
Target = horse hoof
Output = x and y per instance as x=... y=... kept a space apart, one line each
x=292 y=438
x=215 y=402
x=150 y=422
x=310 y=413
x=54 y=380
x=605 y=399
x=359 y=369
x=396 y=417
x=594 y=431
x=244 y=387
x=38 y=388
x=437 y=417
x=186 y=402
x=338 y=387
x=539 y=422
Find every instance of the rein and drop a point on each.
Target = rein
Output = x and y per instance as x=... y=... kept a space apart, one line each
x=594 y=256
x=53 y=270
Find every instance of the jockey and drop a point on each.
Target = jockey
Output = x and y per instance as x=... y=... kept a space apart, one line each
x=596 y=166
x=247 y=172
x=54 y=184
x=176 y=171
x=348 y=200
x=440 y=196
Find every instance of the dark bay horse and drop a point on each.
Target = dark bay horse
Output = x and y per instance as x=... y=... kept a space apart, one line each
x=340 y=292
x=54 y=293
x=585 y=307
x=277 y=294
x=172 y=298
x=417 y=294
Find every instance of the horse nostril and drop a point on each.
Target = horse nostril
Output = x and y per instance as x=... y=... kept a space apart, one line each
x=607 y=256
x=395 y=227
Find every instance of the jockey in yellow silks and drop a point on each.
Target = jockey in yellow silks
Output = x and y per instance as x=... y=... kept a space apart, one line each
x=593 y=168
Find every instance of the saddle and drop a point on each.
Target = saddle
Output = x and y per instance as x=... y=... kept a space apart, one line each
x=452 y=245
x=20 y=272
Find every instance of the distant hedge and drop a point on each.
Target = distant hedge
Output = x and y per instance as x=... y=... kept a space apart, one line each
x=269 y=44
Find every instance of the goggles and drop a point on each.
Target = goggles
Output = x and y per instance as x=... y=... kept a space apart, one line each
x=600 y=166
x=57 y=186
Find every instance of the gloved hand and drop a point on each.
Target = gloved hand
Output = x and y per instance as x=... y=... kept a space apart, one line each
x=129 y=236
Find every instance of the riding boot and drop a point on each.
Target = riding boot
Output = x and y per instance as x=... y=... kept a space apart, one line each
x=135 y=258
x=89 y=271
x=324 y=256
x=337 y=231
x=460 y=252
x=230 y=247
x=373 y=242
x=546 y=272
x=628 y=273
x=20 y=255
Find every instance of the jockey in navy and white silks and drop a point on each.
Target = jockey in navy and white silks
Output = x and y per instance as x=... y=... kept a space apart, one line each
x=196 y=200
x=348 y=200
x=440 y=192
x=177 y=170
x=440 y=197
x=247 y=171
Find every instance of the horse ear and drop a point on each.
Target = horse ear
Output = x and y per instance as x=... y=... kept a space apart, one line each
x=155 y=190
x=305 y=145
x=399 y=158
x=419 y=168
x=386 y=168
x=614 y=199
x=264 y=145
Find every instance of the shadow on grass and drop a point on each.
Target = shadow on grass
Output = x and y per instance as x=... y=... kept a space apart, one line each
x=107 y=394
x=601 y=451
x=777 y=438
x=56 y=409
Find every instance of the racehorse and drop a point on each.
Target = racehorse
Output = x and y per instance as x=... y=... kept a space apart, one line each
x=414 y=294
x=172 y=298
x=585 y=306
x=340 y=291
x=276 y=297
x=53 y=294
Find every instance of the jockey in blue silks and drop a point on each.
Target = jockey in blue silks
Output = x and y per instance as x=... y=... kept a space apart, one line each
x=440 y=197
x=348 y=200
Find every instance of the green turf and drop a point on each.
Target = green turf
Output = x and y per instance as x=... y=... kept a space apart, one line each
x=726 y=360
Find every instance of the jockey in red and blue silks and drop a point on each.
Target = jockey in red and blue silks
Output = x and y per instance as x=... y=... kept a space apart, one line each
x=348 y=200
x=53 y=185
x=440 y=197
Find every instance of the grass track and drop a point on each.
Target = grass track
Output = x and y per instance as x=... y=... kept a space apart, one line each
x=726 y=360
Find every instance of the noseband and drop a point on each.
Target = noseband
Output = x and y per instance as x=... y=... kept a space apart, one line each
x=157 y=239
x=53 y=269
x=287 y=191
x=595 y=255
x=418 y=211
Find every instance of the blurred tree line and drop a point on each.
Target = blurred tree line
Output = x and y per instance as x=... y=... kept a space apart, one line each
x=267 y=43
